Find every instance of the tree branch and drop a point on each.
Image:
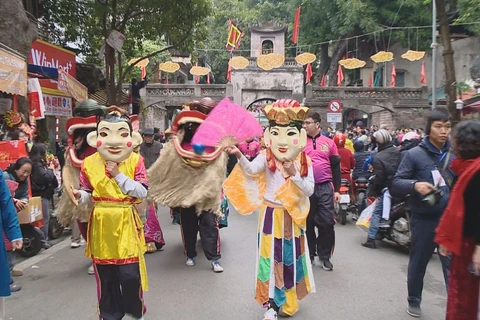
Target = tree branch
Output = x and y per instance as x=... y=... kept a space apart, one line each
x=126 y=17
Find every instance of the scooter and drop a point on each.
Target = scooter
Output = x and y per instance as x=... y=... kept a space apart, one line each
x=32 y=240
x=398 y=227
x=343 y=207
x=361 y=185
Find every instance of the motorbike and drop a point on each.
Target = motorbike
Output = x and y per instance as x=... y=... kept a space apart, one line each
x=32 y=240
x=398 y=227
x=361 y=185
x=344 y=207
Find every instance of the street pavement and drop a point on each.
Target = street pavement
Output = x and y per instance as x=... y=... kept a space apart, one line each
x=365 y=284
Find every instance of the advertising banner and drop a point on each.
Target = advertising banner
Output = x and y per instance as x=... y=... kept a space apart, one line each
x=13 y=74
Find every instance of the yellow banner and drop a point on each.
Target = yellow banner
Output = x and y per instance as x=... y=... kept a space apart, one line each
x=70 y=85
x=13 y=74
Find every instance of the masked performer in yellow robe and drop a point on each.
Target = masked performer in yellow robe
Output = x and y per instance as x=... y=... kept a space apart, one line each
x=279 y=181
x=115 y=179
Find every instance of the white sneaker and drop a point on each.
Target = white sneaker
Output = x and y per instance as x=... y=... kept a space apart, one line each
x=82 y=242
x=75 y=245
x=190 y=262
x=216 y=267
x=271 y=314
x=91 y=270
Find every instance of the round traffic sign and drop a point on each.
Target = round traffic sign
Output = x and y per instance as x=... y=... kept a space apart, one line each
x=335 y=106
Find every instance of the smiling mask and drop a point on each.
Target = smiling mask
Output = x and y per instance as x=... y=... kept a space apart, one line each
x=114 y=138
x=285 y=136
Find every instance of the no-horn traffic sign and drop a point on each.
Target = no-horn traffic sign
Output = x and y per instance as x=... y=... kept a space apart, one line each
x=335 y=106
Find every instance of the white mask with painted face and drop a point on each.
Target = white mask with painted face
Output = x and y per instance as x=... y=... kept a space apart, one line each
x=285 y=142
x=114 y=140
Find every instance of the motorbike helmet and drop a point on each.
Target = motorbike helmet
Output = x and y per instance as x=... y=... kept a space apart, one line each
x=410 y=136
x=340 y=139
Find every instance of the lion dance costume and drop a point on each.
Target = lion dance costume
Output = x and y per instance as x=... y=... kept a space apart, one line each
x=283 y=272
x=115 y=239
x=189 y=181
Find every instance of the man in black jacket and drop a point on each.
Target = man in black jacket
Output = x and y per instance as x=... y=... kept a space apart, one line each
x=150 y=149
x=425 y=171
x=385 y=164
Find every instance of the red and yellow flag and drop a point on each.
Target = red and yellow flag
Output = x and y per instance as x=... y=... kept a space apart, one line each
x=235 y=35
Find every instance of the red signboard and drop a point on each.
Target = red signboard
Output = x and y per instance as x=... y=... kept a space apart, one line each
x=51 y=56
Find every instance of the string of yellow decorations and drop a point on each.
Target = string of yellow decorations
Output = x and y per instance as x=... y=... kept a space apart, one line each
x=169 y=67
x=352 y=63
x=270 y=61
x=142 y=63
x=238 y=62
x=200 y=71
x=412 y=55
x=382 y=56
x=306 y=58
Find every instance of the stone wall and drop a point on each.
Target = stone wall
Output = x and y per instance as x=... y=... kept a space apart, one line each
x=155 y=117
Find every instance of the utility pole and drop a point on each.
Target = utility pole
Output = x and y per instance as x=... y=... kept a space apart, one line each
x=434 y=54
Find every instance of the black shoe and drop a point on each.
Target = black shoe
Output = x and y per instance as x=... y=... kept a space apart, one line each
x=327 y=265
x=15 y=287
x=415 y=312
x=370 y=243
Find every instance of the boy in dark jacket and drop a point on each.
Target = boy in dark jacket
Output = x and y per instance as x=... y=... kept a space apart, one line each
x=385 y=164
x=425 y=171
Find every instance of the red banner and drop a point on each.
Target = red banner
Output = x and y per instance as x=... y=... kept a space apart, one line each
x=235 y=35
x=70 y=85
x=296 y=26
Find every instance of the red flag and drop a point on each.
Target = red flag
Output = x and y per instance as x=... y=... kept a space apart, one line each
x=229 y=73
x=309 y=73
x=235 y=35
x=144 y=72
x=166 y=78
x=296 y=26
x=323 y=82
x=160 y=75
x=394 y=76
x=423 y=74
x=370 y=81
x=197 y=80
x=340 y=76
x=208 y=78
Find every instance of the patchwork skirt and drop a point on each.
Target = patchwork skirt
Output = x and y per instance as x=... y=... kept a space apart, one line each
x=284 y=271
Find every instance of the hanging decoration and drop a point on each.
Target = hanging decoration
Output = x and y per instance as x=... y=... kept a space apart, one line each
x=323 y=82
x=370 y=81
x=169 y=67
x=235 y=35
x=238 y=62
x=306 y=58
x=200 y=71
x=382 y=56
x=412 y=55
x=340 y=76
x=229 y=72
x=12 y=118
x=270 y=61
x=423 y=74
x=309 y=73
x=141 y=63
x=393 y=80
x=352 y=63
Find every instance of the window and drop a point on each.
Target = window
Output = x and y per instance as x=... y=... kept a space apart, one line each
x=267 y=47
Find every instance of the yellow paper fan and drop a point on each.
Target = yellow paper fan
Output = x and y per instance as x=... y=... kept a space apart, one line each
x=270 y=61
x=238 y=62
x=382 y=56
x=169 y=66
x=412 y=55
x=199 y=71
x=142 y=63
x=306 y=58
x=352 y=63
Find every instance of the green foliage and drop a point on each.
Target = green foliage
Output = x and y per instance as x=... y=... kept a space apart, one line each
x=469 y=12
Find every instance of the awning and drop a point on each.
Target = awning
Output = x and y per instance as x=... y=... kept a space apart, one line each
x=13 y=74
x=43 y=72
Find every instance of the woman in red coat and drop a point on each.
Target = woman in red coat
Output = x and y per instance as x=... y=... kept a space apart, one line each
x=458 y=233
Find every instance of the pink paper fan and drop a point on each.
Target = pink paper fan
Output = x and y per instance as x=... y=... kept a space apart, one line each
x=227 y=120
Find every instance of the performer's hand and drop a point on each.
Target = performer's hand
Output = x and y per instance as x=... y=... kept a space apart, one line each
x=233 y=150
x=336 y=197
x=289 y=167
x=76 y=193
x=443 y=251
x=112 y=168
x=17 y=244
x=476 y=260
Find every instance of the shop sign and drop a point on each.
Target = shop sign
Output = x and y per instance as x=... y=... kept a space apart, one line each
x=13 y=74
x=57 y=106
x=45 y=54
x=70 y=85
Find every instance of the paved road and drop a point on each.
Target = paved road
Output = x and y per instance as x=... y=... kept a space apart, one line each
x=365 y=284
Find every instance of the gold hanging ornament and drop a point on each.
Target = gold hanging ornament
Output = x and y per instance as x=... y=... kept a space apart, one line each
x=141 y=63
x=306 y=58
x=413 y=55
x=382 y=56
x=169 y=67
x=238 y=63
x=270 y=61
x=199 y=71
x=352 y=63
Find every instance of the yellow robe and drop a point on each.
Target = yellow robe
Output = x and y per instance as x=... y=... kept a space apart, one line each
x=115 y=230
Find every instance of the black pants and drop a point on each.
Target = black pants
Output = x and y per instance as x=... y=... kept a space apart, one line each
x=421 y=250
x=321 y=216
x=207 y=224
x=120 y=291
